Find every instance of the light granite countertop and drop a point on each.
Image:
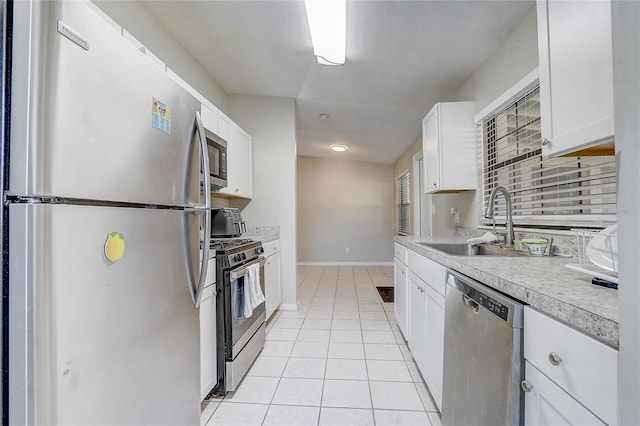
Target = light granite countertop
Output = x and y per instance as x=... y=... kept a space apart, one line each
x=542 y=282
x=262 y=233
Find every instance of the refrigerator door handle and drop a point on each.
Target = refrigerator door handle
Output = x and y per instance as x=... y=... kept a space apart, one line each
x=206 y=170
x=196 y=292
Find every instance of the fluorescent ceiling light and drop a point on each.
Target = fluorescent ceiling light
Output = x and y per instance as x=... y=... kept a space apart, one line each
x=339 y=148
x=328 y=26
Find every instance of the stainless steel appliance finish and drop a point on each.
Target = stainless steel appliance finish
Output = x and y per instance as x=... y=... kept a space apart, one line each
x=467 y=249
x=509 y=235
x=227 y=222
x=102 y=144
x=483 y=363
x=240 y=339
x=94 y=112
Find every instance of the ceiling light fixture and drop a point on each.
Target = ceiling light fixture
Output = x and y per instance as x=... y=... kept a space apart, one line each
x=328 y=25
x=339 y=148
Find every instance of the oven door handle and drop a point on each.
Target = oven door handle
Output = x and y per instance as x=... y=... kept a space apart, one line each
x=242 y=271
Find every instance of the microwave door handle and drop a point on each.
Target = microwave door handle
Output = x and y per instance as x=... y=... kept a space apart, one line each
x=242 y=271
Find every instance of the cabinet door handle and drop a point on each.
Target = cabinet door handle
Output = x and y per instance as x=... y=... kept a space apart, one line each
x=434 y=184
x=545 y=141
x=526 y=386
x=554 y=359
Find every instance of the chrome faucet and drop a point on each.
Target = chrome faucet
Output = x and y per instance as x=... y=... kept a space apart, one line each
x=509 y=237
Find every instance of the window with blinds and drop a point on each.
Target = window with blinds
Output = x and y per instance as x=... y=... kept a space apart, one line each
x=553 y=191
x=403 y=205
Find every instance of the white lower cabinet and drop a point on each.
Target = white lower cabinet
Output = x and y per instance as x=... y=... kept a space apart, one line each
x=427 y=287
x=434 y=366
x=569 y=375
x=208 y=368
x=401 y=296
x=272 y=277
x=273 y=296
x=417 y=320
x=426 y=333
x=547 y=404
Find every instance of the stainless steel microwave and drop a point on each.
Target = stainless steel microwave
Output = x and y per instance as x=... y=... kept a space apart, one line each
x=217 y=152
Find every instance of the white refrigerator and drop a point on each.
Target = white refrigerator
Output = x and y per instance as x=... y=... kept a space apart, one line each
x=103 y=262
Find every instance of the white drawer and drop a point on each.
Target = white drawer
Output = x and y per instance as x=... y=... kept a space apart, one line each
x=429 y=271
x=208 y=292
x=586 y=368
x=211 y=272
x=271 y=247
x=400 y=252
x=547 y=404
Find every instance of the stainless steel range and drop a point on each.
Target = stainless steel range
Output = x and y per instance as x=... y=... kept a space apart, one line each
x=239 y=339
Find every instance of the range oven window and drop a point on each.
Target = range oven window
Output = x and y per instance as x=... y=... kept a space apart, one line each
x=239 y=324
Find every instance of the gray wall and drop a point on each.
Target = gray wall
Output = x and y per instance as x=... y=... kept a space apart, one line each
x=271 y=123
x=344 y=204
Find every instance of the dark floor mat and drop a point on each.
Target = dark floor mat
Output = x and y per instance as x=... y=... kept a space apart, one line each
x=386 y=293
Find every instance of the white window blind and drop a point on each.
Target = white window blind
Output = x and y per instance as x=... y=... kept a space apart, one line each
x=565 y=190
x=403 y=205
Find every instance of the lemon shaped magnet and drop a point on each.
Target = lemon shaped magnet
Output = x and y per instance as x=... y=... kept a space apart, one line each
x=114 y=247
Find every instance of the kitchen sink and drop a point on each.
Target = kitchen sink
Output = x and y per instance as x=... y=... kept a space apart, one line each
x=465 y=249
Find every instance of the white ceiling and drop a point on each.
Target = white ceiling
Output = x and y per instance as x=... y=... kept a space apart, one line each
x=402 y=57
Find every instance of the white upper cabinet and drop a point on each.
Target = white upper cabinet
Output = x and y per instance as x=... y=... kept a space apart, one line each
x=448 y=145
x=239 y=159
x=576 y=75
x=209 y=118
x=225 y=126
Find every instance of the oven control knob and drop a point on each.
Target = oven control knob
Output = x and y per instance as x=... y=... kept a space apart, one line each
x=243 y=256
x=237 y=258
x=259 y=250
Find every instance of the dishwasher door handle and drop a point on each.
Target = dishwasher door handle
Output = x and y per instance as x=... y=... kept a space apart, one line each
x=471 y=303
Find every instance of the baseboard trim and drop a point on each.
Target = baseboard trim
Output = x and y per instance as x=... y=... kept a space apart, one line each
x=288 y=307
x=345 y=263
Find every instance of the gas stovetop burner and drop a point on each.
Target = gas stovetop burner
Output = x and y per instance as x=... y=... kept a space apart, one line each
x=227 y=243
x=231 y=252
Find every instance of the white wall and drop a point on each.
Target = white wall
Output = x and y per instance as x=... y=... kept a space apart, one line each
x=132 y=16
x=344 y=204
x=271 y=123
x=626 y=69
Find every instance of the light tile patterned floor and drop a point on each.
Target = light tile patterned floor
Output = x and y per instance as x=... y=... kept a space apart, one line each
x=339 y=360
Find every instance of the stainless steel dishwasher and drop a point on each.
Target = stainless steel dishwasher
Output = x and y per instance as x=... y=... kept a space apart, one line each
x=483 y=363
